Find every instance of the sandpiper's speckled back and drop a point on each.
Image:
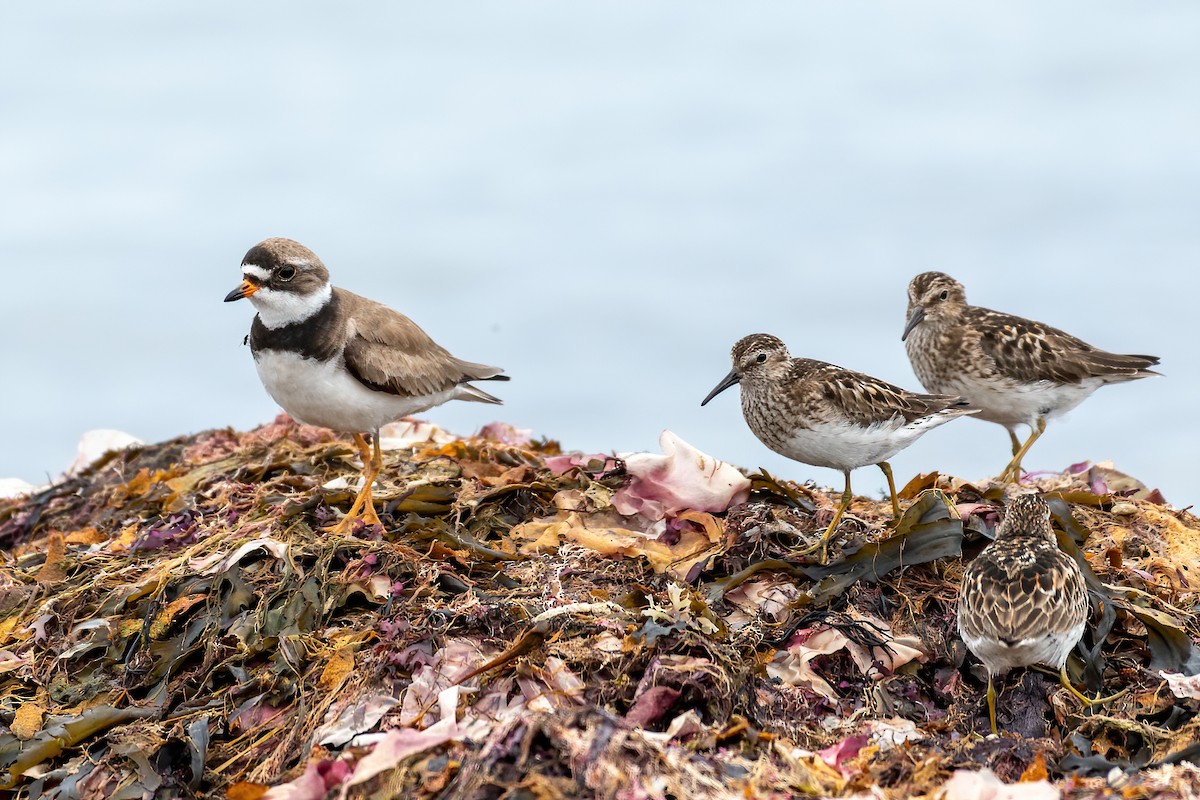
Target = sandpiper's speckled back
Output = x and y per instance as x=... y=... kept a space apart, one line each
x=822 y=414
x=1023 y=600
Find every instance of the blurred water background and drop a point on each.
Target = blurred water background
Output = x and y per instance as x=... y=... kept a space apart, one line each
x=601 y=197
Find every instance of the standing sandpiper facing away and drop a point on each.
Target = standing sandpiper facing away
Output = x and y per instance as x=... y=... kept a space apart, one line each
x=334 y=359
x=821 y=414
x=1023 y=601
x=1015 y=370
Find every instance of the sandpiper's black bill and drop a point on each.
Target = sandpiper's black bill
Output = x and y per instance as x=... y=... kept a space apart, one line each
x=913 y=322
x=726 y=382
x=245 y=289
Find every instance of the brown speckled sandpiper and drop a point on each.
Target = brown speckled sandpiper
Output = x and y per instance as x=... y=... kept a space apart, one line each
x=827 y=416
x=1015 y=370
x=1023 y=601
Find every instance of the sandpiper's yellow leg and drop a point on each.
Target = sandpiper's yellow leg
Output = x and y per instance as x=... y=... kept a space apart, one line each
x=823 y=544
x=991 y=700
x=1016 y=443
x=1012 y=473
x=1065 y=680
x=887 y=471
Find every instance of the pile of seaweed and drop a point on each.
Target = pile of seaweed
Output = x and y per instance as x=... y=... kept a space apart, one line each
x=176 y=622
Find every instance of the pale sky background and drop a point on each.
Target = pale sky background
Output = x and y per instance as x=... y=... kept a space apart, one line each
x=600 y=197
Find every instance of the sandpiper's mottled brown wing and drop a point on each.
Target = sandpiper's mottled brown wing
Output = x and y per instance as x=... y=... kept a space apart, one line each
x=1014 y=591
x=388 y=352
x=864 y=400
x=1028 y=351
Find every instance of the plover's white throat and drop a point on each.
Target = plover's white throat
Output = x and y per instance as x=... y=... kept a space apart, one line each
x=332 y=358
x=1014 y=370
x=821 y=414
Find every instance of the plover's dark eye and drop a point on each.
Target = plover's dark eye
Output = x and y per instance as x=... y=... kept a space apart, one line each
x=762 y=357
x=286 y=273
x=945 y=294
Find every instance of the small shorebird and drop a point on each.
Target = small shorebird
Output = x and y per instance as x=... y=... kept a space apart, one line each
x=1015 y=370
x=826 y=416
x=1023 y=601
x=334 y=359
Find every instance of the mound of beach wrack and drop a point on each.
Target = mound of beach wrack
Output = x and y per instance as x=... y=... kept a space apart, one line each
x=175 y=622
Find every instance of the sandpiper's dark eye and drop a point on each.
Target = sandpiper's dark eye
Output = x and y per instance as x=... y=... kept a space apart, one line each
x=945 y=294
x=762 y=357
x=286 y=273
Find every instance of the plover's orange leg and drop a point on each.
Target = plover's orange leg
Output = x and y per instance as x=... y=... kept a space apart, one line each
x=369 y=514
x=1012 y=473
x=887 y=472
x=363 y=506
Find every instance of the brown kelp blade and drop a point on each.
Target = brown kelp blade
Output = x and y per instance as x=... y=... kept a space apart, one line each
x=928 y=530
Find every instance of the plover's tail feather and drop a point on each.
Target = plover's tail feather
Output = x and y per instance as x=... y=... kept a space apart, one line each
x=473 y=371
x=474 y=394
x=480 y=372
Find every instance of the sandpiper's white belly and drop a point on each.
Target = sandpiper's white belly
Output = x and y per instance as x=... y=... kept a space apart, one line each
x=1009 y=403
x=845 y=446
x=324 y=393
x=1051 y=650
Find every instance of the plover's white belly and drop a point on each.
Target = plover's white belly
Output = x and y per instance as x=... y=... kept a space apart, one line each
x=1010 y=403
x=1051 y=650
x=844 y=446
x=325 y=394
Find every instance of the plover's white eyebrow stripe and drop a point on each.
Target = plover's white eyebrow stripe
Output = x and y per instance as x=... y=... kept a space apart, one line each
x=256 y=271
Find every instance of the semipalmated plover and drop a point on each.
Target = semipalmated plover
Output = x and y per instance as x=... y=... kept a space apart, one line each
x=1023 y=601
x=1015 y=370
x=827 y=416
x=332 y=358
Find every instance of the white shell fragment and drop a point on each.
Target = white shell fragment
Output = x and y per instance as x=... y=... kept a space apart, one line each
x=95 y=444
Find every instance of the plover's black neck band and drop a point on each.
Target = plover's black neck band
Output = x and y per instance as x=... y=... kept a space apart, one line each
x=321 y=336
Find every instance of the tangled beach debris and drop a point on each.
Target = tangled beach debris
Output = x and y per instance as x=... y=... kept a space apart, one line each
x=174 y=622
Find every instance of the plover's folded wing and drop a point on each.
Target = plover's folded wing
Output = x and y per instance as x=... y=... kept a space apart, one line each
x=388 y=352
